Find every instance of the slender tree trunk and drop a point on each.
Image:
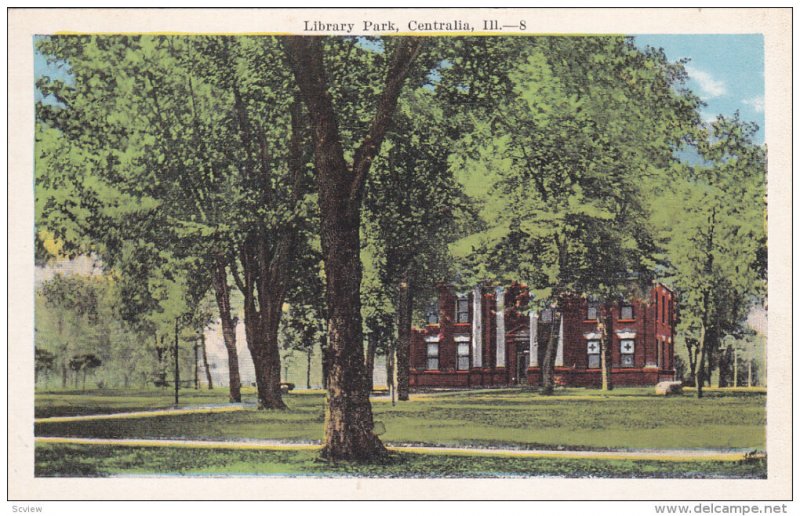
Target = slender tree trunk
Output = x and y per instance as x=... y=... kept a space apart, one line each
x=390 y=371
x=723 y=366
x=196 y=367
x=750 y=371
x=405 y=304
x=326 y=363
x=369 y=361
x=309 y=353
x=692 y=353
x=223 y=297
x=207 y=369
x=548 y=380
x=63 y=375
x=701 y=369
x=606 y=343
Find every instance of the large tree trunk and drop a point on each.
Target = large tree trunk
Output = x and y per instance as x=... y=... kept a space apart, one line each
x=369 y=361
x=348 y=420
x=223 y=297
x=405 y=302
x=548 y=380
x=261 y=328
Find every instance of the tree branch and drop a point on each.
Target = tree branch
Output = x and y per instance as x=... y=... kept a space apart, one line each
x=402 y=59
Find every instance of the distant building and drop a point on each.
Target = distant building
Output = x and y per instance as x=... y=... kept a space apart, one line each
x=486 y=338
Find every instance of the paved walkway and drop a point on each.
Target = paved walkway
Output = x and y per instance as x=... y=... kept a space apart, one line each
x=654 y=455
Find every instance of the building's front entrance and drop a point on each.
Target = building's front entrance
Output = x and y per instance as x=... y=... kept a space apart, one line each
x=521 y=370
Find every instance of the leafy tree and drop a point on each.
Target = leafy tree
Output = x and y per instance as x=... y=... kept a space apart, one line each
x=44 y=362
x=716 y=241
x=412 y=204
x=341 y=178
x=84 y=364
x=175 y=148
x=72 y=302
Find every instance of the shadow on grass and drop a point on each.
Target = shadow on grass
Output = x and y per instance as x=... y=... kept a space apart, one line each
x=59 y=460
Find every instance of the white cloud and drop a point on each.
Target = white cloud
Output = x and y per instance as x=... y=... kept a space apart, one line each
x=707 y=117
x=757 y=103
x=711 y=87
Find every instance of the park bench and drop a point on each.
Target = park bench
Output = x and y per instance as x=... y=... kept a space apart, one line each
x=285 y=386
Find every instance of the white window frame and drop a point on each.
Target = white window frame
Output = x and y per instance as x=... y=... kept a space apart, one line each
x=432 y=356
x=462 y=351
x=590 y=354
x=462 y=298
x=432 y=312
x=623 y=354
x=633 y=312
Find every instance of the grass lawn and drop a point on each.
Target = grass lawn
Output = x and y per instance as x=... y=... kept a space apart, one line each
x=109 y=401
x=96 y=461
x=572 y=419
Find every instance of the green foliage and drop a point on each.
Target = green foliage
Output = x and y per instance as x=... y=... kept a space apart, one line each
x=558 y=172
x=78 y=320
x=713 y=223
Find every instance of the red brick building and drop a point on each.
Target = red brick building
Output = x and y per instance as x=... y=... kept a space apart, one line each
x=486 y=338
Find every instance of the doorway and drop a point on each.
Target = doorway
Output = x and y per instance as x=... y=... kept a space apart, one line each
x=521 y=377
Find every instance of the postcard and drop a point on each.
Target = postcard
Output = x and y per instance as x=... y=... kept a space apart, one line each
x=326 y=254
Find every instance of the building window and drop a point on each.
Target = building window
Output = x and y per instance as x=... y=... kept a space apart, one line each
x=658 y=353
x=663 y=310
x=462 y=362
x=462 y=309
x=593 y=352
x=547 y=315
x=591 y=311
x=656 y=306
x=432 y=314
x=626 y=312
x=433 y=356
x=626 y=347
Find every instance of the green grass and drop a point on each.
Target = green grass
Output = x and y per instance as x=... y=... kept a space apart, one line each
x=109 y=401
x=573 y=419
x=62 y=460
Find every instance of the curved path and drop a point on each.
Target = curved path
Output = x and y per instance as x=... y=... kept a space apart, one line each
x=685 y=455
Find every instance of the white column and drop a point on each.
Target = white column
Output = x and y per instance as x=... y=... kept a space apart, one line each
x=500 y=339
x=560 y=350
x=477 y=328
x=533 y=357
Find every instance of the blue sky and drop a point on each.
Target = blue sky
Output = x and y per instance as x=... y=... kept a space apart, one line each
x=725 y=70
